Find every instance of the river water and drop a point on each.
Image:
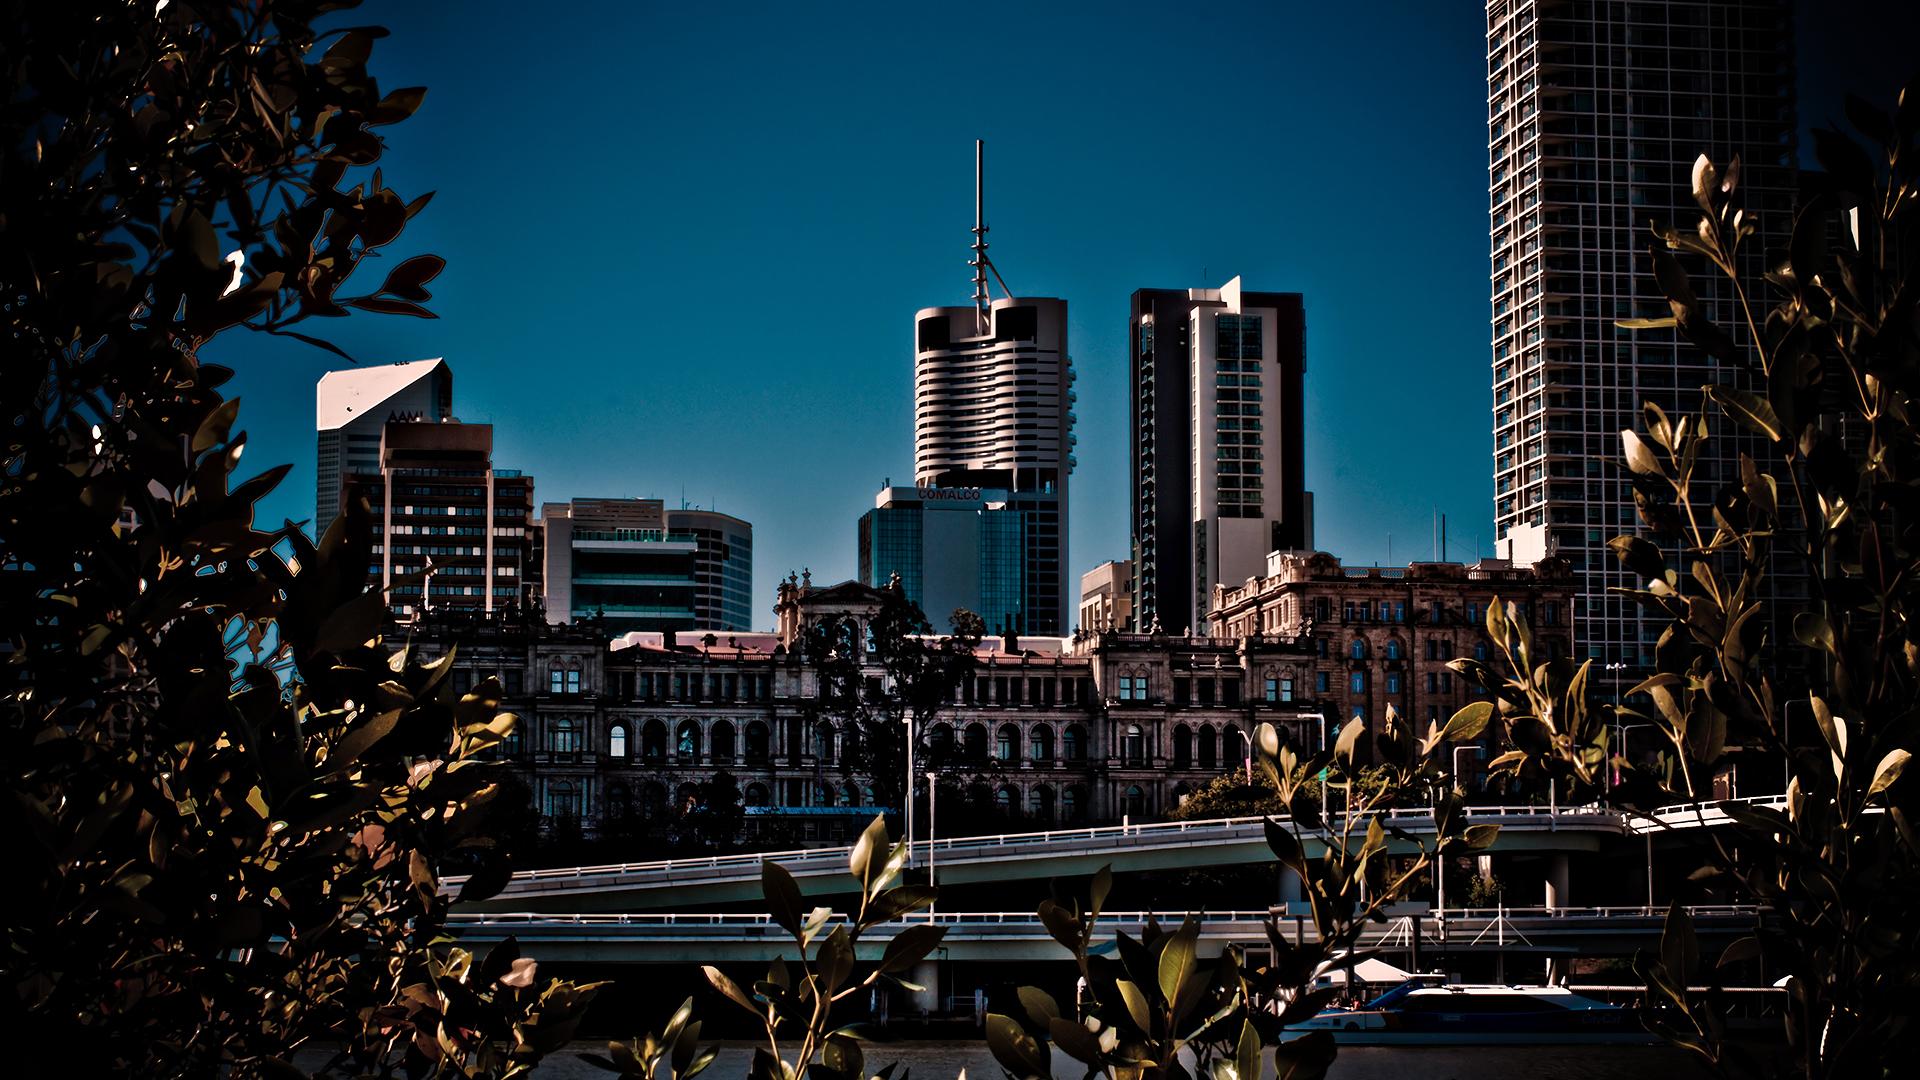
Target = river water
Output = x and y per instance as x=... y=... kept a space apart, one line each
x=943 y=1060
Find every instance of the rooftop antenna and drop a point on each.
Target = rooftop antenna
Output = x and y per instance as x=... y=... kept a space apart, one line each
x=980 y=263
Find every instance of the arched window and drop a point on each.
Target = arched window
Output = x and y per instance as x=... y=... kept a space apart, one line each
x=1136 y=745
x=562 y=737
x=850 y=743
x=976 y=742
x=1007 y=801
x=823 y=744
x=1393 y=648
x=563 y=800
x=1008 y=748
x=1182 y=747
x=556 y=679
x=1072 y=804
x=1076 y=743
x=686 y=745
x=722 y=742
x=1040 y=744
x=1133 y=803
x=1209 y=748
x=617 y=742
x=849 y=795
x=757 y=739
x=1358 y=649
x=653 y=742
x=619 y=801
x=1234 y=745
x=941 y=742
x=1040 y=803
x=756 y=795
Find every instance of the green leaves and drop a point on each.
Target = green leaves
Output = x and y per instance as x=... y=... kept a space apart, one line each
x=782 y=896
x=1469 y=723
x=1750 y=410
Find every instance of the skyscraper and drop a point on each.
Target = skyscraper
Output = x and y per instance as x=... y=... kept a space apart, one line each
x=1219 y=479
x=1596 y=113
x=450 y=531
x=351 y=409
x=617 y=560
x=953 y=547
x=993 y=409
x=722 y=567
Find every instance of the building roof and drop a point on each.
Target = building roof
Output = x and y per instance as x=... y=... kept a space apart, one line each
x=343 y=396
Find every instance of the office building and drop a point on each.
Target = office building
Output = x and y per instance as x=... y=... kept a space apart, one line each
x=952 y=547
x=1106 y=597
x=618 y=561
x=722 y=567
x=450 y=531
x=351 y=409
x=993 y=410
x=1596 y=114
x=1219 y=479
x=1380 y=636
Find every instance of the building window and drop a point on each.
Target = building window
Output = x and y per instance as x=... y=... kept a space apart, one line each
x=1076 y=743
x=1133 y=803
x=1393 y=682
x=556 y=681
x=1182 y=747
x=723 y=743
x=687 y=744
x=1040 y=744
x=1358 y=649
x=1480 y=651
x=1320 y=682
x=562 y=738
x=1272 y=688
x=1286 y=688
x=617 y=741
x=1009 y=742
x=1320 y=648
x=1358 y=682
x=1136 y=745
x=1393 y=648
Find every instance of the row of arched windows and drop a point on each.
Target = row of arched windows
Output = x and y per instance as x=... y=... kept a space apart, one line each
x=719 y=745
x=1038 y=745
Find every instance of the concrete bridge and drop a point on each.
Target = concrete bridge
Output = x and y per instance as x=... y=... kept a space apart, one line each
x=1019 y=936
x=701 y=882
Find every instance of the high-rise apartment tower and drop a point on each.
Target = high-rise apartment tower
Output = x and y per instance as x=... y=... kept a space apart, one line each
x=993 y=409
x=1596 y=112
x=1218 y=476
x=351 y=409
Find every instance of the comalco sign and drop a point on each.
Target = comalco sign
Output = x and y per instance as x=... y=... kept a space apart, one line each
x=930 y=494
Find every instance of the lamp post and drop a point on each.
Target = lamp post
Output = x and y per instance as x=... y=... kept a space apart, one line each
x=1248 y=739
x=1612 y=773
x=1623 y=729
x=933 y=826
x=908 y=721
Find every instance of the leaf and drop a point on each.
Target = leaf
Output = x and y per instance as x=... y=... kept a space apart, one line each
x=1349 y=736
x=1679 y=951
x=387 y=306
x=782 y=895
x=1013 y=1048
x=729 y=989
x=361 y=739
x=1177 y=962
x=1040 y=1006
x=1468 y=723
x=1640 y=556
x=1749 y=409
x=1098 y=891
x=1480 y=837
x=408 y=280
x=910 y=946
x=1887 y=773
x=213 y=430
x=1079 y=1043
x=1639 y=458
x=1136 y=1004
x=1811 y=629
x=1246 y=1053
x=1281 y=841
x=870 y=846
x=1305 y=1058
x=1665 y=322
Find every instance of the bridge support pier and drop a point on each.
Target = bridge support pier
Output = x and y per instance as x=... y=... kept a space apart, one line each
x=1557 y=881
x=926 y=975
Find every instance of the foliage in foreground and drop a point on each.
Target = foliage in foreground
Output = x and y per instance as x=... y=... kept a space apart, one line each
x=1820 y=392
x=1154 y=1006
x=230 y=802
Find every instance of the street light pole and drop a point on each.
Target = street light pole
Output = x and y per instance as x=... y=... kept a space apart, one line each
x=933 y=827
x=908 y=720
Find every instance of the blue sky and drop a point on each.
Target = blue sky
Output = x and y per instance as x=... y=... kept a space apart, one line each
x=685 y=243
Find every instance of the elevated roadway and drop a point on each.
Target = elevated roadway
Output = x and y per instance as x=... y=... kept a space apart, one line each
x=701 y=882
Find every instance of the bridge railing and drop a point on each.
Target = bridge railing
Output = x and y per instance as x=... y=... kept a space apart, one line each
x=804 y=857
x=1110 y=918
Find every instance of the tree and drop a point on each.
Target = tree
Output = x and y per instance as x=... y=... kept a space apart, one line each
x=914 y=675
x=1823 y=386
x=230 y=803
x=719 y=815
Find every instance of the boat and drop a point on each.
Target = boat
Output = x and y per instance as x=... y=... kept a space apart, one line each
x=1417 y=1014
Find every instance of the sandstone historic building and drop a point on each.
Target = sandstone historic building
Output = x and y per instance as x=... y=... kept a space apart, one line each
x=1045 y=731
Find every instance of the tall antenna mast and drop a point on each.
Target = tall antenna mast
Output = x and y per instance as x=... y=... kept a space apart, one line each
x=979 y=261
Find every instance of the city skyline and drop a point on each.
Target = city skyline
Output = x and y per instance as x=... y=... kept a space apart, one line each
x=758 y=421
